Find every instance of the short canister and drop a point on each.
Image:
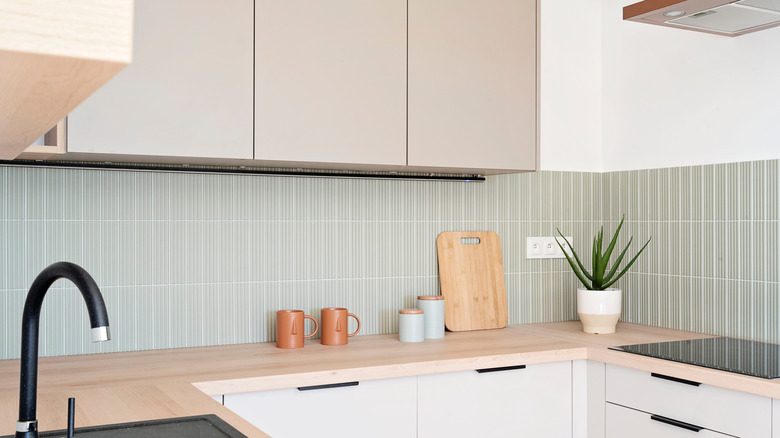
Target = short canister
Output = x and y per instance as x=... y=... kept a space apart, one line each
x=433 y=306
x=411 y=325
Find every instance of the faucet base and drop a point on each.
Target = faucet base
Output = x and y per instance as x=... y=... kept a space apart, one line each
x=27 y=429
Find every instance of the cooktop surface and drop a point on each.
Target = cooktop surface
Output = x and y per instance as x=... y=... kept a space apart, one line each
x=752 y=358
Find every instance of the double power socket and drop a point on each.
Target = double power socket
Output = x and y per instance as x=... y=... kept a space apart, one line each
x=546 y=247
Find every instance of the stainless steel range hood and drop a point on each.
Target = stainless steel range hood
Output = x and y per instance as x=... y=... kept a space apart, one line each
x=722 y=17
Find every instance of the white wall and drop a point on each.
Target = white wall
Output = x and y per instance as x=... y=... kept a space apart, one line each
x=674 y=97
x=570 y=86
x=618 y=95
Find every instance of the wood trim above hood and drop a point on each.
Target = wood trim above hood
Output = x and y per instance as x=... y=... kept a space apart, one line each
x=652 y=12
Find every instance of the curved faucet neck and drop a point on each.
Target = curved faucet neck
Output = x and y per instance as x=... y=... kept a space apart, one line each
x=96 y=308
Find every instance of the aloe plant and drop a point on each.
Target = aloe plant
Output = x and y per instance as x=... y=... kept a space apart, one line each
x=600 y=278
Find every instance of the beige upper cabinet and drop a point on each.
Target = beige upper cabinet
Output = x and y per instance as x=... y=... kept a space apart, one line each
x=330 y=81
x=53 y=55
x=472 y=84
x=316 y=84
x=188 y=92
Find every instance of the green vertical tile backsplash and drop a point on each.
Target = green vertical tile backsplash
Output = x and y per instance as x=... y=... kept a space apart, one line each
x=713 y=266
x=201 y=259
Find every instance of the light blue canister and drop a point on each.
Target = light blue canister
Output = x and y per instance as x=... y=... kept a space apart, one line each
x=433 y=307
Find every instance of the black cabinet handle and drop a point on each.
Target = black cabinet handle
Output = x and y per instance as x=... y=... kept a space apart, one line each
x=676 y=379
x=332 y=385
x=493 y=370
x=676 y=423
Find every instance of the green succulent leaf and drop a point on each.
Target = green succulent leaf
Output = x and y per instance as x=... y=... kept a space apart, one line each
x=611 y=246
x=628 y=265
x=596 y=257
x=599 y=264
x=600 y=279
x=614 y=269
x=576 y=257
x=579 y=273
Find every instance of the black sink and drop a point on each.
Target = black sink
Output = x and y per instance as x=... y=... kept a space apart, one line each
x=202 y=426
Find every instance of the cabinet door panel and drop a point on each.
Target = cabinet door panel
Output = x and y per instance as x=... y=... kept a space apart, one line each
x=331 y=81
x=472 y=83
x=532 y=402
x=624 y=422
x=187 y=92
x=377 y=408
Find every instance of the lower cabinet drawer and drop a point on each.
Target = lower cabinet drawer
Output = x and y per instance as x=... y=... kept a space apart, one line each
x=623 y=422
x=374 y=408
x=730 y=412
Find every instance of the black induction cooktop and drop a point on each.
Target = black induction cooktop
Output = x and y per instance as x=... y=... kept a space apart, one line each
x=752 y=358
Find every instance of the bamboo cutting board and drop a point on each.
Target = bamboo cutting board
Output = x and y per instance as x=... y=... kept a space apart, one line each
x=471 y=271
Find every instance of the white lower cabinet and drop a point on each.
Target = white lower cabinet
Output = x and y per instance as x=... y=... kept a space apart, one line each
x=557 y=400
x=623 y=422
x=535 y=401
x=672 y=400
x=775 y=418
x=374 y=408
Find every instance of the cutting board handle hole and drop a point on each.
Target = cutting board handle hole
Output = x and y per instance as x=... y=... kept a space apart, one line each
x=469 y=241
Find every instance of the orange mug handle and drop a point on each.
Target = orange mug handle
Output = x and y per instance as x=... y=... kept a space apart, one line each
x=316 y=326
x=358 y=328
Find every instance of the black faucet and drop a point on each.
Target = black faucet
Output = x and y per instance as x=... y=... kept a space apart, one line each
x=27 y=426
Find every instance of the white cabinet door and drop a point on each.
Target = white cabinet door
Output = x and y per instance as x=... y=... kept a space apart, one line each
x=376 y=408
x=775 y=418
x=623 y=422
x=531 y=402
x=472 y=84
x=331 y=81
x=187 y=92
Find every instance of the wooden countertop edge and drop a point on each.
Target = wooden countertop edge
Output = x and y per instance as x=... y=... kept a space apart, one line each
x=293 y=380
x=708 y=376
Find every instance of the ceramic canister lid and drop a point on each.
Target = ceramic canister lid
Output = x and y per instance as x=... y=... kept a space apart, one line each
x=410 y=311
x=430 y=297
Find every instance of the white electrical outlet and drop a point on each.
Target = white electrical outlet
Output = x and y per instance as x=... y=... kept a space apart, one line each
x=546 y=247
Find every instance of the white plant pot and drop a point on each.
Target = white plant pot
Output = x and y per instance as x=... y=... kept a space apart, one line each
x=599 y=310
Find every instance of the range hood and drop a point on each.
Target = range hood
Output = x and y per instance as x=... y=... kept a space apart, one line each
x=722 y=17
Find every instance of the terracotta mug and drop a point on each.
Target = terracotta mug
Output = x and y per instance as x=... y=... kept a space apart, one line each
x=334 y=325
x=290 y=328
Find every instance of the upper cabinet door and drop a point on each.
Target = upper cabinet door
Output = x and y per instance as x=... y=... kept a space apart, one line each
x=330 y=81
x=472 y=84
x=188 y=91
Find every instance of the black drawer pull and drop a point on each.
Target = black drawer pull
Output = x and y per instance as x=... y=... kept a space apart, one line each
x=332 y=385
x=676 y=379
x=493 y=370
x=676 y=423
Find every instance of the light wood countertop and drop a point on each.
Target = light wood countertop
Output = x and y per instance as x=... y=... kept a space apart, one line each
x=133 y=386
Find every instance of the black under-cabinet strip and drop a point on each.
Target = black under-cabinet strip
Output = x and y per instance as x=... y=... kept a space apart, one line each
x=676 y=423
x=675 y=379
x=493 y=370
x=186 y=168
x=332 y=385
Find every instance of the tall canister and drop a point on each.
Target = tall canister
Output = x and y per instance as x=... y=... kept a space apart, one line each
x=433 y=308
